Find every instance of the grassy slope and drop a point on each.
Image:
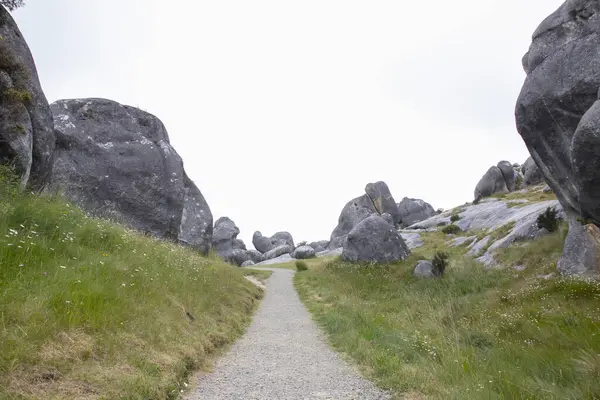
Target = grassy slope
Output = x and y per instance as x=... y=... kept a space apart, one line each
x=499 y=334
x=90 y=310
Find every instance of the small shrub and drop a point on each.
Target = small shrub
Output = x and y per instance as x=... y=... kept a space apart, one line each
x=454 y=218
x=451 y=229
x=301 y=266
x=21 y=96
x=548 y=220
x=440 y=262
x=519 y=181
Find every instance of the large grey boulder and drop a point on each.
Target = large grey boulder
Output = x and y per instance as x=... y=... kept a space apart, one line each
x=491 y=183
x=354 y=212
x=557 y=112
x=116 y=161
x=255 y=255
x=303 y=252
x=319 y=246
x=374 y=240
x=278 y=251
x=581 y=253
x=531 y=173
x=265 y=244
x=280 y=238
x=26 y=128
x=414 y=210
x=235 y=256
x=383 y=201
x=224 y=237
x=261 y=243
x=509 y=174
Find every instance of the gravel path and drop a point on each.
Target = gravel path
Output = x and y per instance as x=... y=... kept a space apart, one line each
x=283 y=356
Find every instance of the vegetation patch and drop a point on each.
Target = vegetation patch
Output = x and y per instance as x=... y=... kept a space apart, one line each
x=91 y=310
x=451 y=229
x=497 y=334
x=301 y=266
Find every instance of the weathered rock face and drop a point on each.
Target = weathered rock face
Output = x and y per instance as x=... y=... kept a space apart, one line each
x=383 y=201
x=115 y=161
x=531 y=173
x=224 y=237
x=319 y=246
x=388 y=218
x=303 y=252
x=26 y=127
x=581 y=252
x=557 y=112
x=491 y=183
x=265 y=244
x=355 y=211
x=374 y=240
x=283 y=238
x=196 y=219
x=414 y=210
x=509 y=175
x=278 y=251
x=255 y=255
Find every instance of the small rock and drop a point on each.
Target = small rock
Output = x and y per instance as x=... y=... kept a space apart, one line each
x=424 y=269
x=248 y=263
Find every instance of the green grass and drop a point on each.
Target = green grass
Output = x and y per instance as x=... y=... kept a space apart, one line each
x=533 y=194
x=91 y=310
x=258 y=274
x=473 y=334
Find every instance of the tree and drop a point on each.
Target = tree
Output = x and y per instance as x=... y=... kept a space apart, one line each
x=12 y=4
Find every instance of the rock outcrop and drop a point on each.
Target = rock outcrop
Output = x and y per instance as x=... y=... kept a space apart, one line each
x=531 y=173
x=383 y=201
x=414 y=210
x=558 y=112
x=26 y=128
x=116 y=161
x=353 y=212
x=224 y=237
x=376 y=200
x=278 y=251
x=265 y=244
x=501 y=178
x=374 y=240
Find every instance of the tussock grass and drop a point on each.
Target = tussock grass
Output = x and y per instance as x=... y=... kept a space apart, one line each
x=473 y=334
x=90 y=310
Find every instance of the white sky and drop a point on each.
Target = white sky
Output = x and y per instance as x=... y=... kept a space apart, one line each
x=284 y=110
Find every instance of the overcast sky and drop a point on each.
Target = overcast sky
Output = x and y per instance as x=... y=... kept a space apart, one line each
x=284 y=110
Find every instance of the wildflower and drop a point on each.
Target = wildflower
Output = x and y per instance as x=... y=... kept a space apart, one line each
x=68 y=301
x=45 y=273
x=122 y=284
x=20 y=265
x=63 y=267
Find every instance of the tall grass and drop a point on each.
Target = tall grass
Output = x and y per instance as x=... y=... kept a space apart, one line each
x=89 y=309
x=473 y=334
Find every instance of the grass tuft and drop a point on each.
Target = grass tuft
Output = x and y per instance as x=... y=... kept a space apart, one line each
x=301 y=266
